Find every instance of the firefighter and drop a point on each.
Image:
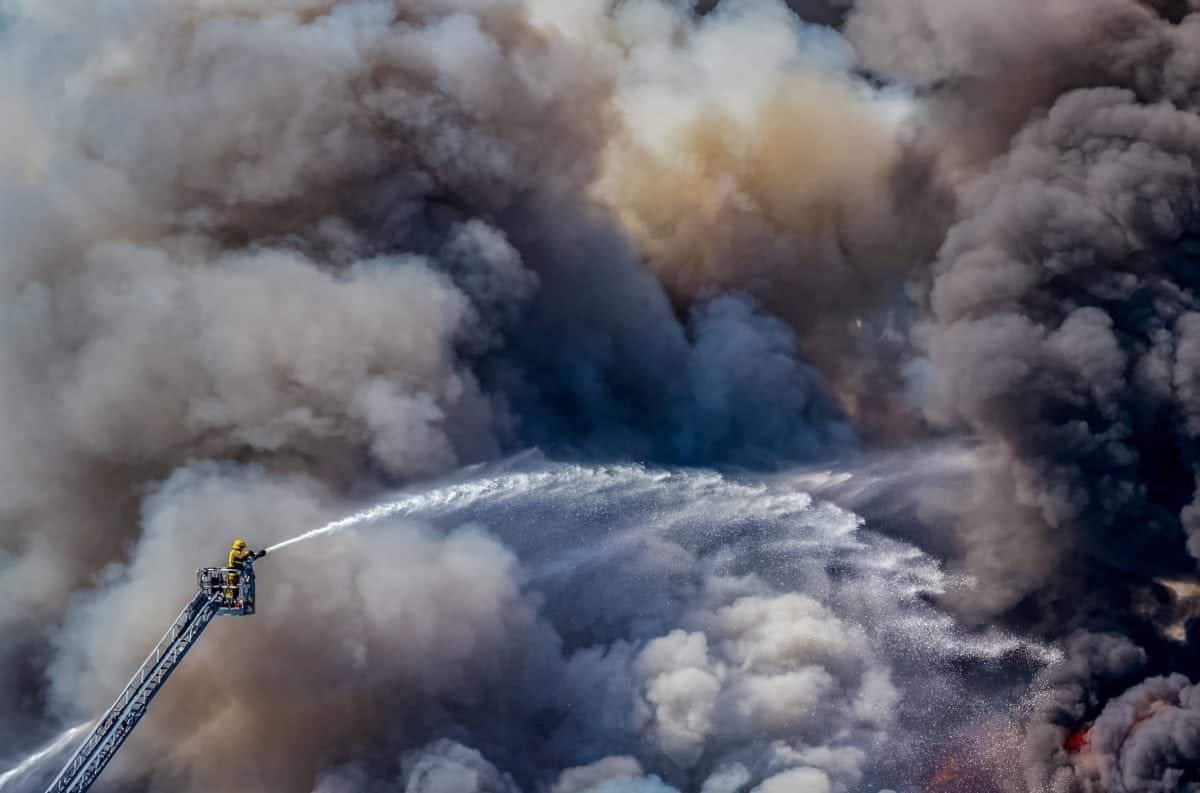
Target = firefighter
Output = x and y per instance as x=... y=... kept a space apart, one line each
x=239 y=555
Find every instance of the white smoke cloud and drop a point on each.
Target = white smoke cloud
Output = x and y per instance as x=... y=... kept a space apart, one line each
x=434 y=655
x=588 y=777
x=447 y=767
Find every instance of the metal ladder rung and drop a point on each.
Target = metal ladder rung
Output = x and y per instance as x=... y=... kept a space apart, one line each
x=120 y=719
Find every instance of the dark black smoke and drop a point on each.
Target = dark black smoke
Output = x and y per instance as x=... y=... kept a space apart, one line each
x=818 y=12
x=1063 y=316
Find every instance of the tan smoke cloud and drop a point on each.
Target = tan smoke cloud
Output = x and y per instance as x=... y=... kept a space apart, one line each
x=763 y=203
x=748 y=159
x=353 y=639
x=203 y=253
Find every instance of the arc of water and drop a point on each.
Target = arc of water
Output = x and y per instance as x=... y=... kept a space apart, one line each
x=29 y=763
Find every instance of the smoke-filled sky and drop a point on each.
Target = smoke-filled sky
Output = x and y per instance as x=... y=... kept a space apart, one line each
x=858 y=340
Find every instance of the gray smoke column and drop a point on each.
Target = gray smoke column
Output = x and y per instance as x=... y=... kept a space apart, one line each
x=1063 y=322
x=1062 y=335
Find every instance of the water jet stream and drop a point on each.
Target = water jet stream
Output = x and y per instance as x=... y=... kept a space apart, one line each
x=30 y=763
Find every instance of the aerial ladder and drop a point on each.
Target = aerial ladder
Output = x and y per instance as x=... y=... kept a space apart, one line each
x=220 y=591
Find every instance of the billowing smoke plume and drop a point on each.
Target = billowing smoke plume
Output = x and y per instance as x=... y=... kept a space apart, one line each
x=263 y=257
x=705 y=635
x=1062 y=327
x=751 y=159
x=349 y=241
x=266 y=258
x=1062 y=313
